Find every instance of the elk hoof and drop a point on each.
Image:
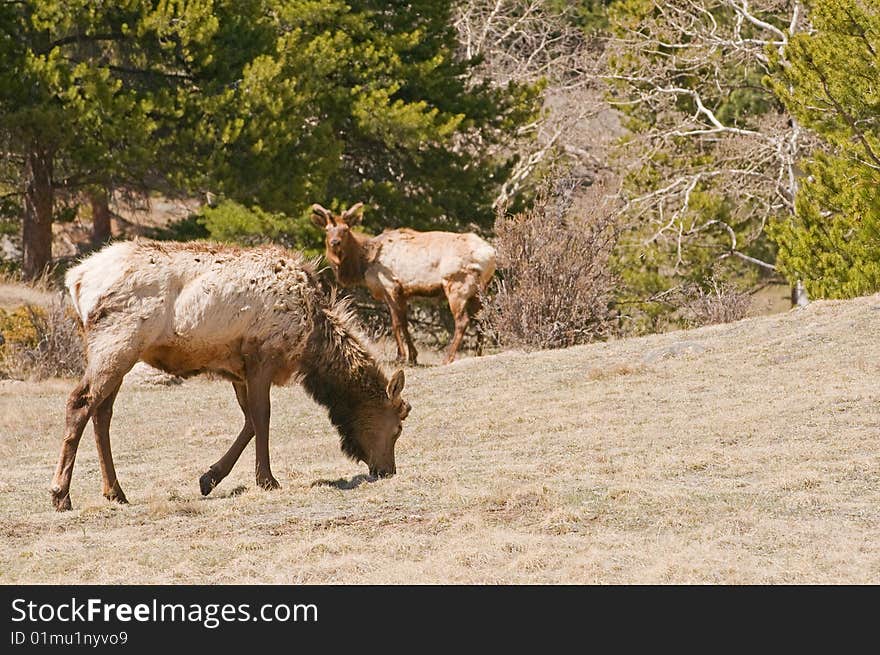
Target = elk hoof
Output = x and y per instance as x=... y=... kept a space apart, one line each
x=115 y=495
x=61 y=502
x=269 y=484
x=208 y=481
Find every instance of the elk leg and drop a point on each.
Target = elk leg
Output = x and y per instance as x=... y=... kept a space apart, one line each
x=78 y=409
x=397 y=308
x=88 y=395
x=221 y=468
x=101 y=424
x=404 y=327
x=458 y=292
x=258 y=410
x=474 y=305
x=461 y=323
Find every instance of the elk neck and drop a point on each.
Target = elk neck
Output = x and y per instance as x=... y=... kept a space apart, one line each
x=339 y=373
x=352 y=266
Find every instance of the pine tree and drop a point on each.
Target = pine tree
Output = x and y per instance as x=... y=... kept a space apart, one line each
x=830 y=83
x=86 y=91
x=362 y=101
x=272 y=104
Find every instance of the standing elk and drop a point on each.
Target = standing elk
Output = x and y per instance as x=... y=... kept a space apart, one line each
x=399 y=264
x=254 y=316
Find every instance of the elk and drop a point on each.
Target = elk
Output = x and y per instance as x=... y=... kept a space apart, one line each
x=256 y=316
x=400 y=264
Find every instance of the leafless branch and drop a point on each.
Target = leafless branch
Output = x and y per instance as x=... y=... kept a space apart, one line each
x=674 y=70
x=537 y=41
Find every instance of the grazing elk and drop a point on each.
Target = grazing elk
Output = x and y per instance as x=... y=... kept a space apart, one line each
x=399 y=264
x=255 y=316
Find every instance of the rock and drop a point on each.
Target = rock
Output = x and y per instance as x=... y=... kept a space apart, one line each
x=676 y=349
x=146 y=376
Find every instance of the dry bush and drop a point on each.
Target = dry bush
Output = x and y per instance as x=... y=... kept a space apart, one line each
x=715 y=302
x=49 y=344
x=555 y=284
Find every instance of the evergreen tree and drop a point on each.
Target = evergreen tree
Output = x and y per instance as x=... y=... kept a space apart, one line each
x=273 y=104
x=85 y=91
x=830 y=83
x=364 y=101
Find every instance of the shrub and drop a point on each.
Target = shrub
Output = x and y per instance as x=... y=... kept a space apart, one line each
x=41 y=342
x=233 y=222
x=555 y=285
x=714 y=302
x=17 y=327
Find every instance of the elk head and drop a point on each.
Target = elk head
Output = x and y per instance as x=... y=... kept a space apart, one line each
x=337 y=229
x=382 y=428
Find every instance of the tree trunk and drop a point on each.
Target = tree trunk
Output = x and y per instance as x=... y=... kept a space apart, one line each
x=36 y=230
x=799 y=296
x=100 y=217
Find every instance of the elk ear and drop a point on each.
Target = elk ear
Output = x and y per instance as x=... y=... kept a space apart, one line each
x=321 y=216
x=395 y=386
x=353 y=214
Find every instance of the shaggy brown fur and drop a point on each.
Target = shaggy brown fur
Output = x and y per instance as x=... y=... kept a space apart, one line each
x=256 y=316
x=344 y=378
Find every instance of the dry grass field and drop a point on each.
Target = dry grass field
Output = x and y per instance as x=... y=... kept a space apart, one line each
x=14 y=294
x=739 y=453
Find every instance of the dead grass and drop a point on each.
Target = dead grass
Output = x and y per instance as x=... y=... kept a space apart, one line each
x=613 y=370
x=749 y=455
x=14 y=294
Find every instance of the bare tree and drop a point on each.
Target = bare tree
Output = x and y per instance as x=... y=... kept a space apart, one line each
x=538 y=41
x=681 y=70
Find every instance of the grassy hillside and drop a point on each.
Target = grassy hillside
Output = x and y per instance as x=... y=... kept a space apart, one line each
x=740 y=453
